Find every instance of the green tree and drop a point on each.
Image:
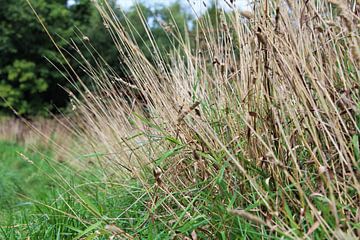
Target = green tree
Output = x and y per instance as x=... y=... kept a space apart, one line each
x=31 y=85
x=28 y=82
x=168 y=25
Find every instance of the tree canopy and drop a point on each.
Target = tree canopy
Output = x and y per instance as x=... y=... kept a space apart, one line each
x=28 y=82
x=31 y=78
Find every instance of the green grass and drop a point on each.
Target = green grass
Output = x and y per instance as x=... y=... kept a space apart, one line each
x=27 y=181
x=20 y=178
x=268 y=150
x=23 y=179
x=47 y=200
x=36 y=202
x=76 y=206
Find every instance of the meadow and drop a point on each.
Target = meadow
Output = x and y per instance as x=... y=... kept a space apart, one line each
x=248 y=130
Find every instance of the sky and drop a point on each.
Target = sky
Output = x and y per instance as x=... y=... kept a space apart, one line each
x=198 y=5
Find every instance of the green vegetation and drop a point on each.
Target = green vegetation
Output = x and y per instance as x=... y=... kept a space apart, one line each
x=31 y=79
x=245 y=127
x=74 y=207
x=20 y=176
x=27 y=81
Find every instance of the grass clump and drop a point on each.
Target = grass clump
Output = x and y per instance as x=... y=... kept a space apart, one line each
x=252 y=130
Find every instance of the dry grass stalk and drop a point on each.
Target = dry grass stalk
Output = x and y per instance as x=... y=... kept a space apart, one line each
x=293 y=73
x=117 y=231
x=248 y=216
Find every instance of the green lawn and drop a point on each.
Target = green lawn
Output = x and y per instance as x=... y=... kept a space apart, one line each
x=36 y=203
x=25 y=178
x=84 y=206
x=21 y=178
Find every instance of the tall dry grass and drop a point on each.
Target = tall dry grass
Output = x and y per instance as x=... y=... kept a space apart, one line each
x=260 y=111
x=53 y=135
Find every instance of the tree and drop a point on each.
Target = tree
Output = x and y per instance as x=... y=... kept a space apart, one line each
x=167 y=24
x=28 y=82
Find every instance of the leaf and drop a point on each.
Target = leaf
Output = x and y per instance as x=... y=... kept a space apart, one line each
x=89 y=229
x=24 y=204
x=91 y=236
x=221 y=175
x=168 y=154
x=88 y=204
x=290 y=216
x=173 y=140
x=185 y=211
x=355 y=142
x=193 y=224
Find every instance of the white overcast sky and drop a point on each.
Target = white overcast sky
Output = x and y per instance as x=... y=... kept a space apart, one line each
x=198 y=4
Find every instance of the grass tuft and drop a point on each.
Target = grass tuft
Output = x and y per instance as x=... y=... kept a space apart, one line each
x=251 y=129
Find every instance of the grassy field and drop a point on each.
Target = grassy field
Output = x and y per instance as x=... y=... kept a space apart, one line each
x=250 y=132
x=20 y=182
x=37 y=203
x=21 y=178
x=32 y=195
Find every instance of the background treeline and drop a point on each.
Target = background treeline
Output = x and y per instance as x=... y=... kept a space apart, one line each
x=31 y=69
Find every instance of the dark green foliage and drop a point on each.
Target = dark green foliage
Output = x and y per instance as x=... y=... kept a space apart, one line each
x=26 y=80
x=31 y=85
